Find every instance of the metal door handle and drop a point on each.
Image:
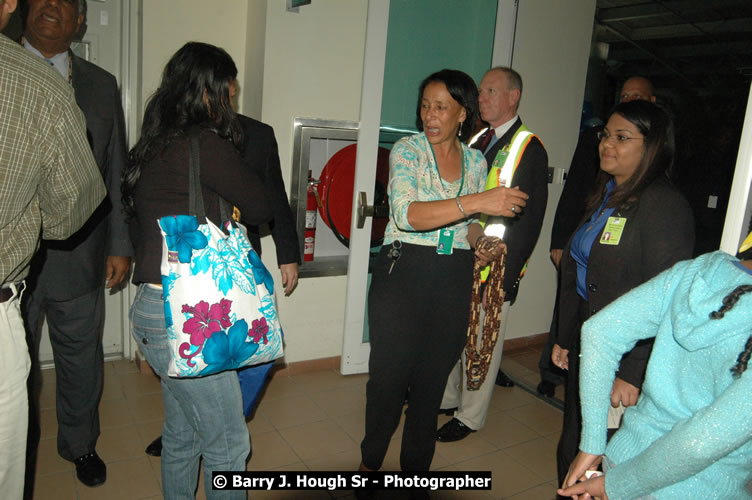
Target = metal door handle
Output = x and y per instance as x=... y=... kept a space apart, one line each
x=364 y=209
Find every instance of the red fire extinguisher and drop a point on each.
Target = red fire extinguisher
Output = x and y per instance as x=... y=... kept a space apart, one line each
x=312 y=202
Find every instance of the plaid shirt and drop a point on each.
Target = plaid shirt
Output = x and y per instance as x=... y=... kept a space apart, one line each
x=48 y=177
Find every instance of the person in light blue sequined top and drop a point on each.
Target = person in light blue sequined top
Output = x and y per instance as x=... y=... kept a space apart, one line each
x=690 y=434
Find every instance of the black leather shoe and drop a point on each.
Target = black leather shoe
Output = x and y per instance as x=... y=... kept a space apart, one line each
x=90 y=469
x=503 y=380
x=454 y=430
x=155 y=447
x=546 y=388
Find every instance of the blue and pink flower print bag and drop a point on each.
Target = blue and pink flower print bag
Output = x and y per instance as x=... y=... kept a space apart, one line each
x=220 y=312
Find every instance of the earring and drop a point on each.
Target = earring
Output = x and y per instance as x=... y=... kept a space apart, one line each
x=459 y=129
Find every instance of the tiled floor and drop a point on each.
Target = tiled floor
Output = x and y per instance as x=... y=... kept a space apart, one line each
x=312 y=421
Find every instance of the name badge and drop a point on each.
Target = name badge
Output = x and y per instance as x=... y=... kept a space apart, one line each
x=501 y=158
x=445 y=246
x=612 y=232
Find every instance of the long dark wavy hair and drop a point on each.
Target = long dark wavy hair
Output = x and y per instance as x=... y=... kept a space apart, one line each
x=657 y=158
x=462 y=88
x=195 y=91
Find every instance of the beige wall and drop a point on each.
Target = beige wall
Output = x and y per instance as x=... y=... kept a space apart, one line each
x=169 y=24
x=552 y=57
x=251 y=92
x=313 y=68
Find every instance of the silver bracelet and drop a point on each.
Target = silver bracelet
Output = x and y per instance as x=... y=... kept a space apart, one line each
x=459 y=205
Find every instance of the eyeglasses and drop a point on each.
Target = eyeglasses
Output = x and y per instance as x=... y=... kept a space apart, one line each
x=604 y=136
x=633 y=97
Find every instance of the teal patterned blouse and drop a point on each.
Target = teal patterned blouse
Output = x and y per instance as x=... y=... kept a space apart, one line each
x=414 y=176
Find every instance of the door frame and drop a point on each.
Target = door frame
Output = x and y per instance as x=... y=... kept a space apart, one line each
x=130 y=92
x=355 y=352
x=739 y=210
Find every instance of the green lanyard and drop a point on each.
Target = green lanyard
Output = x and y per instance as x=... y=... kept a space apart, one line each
x=462 y=166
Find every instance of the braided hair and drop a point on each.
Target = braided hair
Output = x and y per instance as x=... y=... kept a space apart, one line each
x=728 y=302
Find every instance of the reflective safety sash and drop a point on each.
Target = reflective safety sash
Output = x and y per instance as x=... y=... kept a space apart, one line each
x=746 y=244
x=501 y=173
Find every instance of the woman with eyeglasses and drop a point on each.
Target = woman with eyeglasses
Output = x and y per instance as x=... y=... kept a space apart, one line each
x=637 y=225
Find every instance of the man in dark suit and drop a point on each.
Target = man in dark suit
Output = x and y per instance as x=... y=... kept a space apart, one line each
x=499 y=96
x=261 y=154
x=68 y=278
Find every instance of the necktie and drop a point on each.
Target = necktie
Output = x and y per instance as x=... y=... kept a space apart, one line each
x=486 y=138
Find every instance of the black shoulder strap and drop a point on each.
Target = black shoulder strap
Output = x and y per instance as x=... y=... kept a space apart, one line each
x=195 y=197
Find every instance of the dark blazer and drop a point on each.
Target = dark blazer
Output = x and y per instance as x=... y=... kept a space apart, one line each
x=580 y=179
x=659 y=232
x=72 y=267
x=260 y=152
x=522 y=231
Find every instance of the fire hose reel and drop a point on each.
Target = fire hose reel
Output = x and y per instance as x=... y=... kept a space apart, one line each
x=335 y=194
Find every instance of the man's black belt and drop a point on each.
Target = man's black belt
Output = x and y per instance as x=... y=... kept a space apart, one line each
x=7 y=293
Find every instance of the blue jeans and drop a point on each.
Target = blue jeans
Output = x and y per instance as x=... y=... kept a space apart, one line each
x=203 y=416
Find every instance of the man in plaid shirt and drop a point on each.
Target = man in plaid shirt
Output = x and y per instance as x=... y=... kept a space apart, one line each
x=49 y=185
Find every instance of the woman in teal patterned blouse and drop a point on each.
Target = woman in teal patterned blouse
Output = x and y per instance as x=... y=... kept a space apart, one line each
x=420 y=294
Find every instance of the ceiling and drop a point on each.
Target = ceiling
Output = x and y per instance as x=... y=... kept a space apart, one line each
x=705 y=45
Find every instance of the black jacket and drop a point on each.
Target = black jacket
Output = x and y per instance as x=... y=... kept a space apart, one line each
x=522 y=231
x=260 y=153
x=580 y=179
x=70 y=268
x=659 y=232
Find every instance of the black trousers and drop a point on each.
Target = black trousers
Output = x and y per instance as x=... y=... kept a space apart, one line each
x=569 y=442
x=548 y=371
x=418 y=325
x=75 y=328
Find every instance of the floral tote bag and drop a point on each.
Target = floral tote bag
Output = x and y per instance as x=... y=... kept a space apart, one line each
x=219 y=304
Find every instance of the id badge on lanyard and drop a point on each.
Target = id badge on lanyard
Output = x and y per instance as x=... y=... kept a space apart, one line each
x=445 y=243
x=613 y=230
x=445 y=246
